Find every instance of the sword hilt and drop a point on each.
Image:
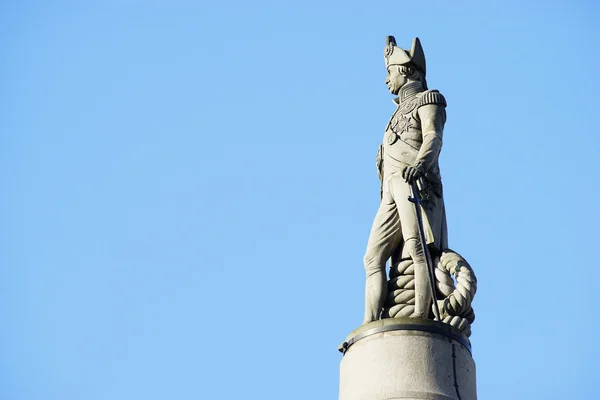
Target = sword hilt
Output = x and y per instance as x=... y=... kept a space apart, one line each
x=415 y=195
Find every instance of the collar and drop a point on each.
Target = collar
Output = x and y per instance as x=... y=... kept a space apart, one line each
x=409 y=90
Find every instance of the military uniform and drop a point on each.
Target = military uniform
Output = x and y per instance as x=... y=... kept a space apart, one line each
x=412 y=138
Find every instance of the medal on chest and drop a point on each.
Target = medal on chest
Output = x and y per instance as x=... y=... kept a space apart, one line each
x=401 y=120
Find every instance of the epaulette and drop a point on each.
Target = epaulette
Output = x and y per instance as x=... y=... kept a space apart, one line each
x=432 y=97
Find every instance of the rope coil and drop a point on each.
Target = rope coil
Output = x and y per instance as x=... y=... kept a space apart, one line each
x=456 y=284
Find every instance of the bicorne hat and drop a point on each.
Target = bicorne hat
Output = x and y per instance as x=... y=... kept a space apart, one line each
x=395 y=55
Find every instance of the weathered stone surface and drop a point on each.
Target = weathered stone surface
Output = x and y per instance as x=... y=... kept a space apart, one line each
x=400 y=352
x=407 y=364
x=426 y=279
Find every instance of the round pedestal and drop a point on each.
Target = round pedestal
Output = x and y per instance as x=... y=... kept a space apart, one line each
x=407 y=358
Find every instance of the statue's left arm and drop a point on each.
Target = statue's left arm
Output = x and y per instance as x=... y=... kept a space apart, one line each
x=433 y=118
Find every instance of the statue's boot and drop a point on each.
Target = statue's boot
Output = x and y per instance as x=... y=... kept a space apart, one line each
x=375 y=293
x=422 y=289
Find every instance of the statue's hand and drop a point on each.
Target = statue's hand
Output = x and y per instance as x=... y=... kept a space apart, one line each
x=411 y=174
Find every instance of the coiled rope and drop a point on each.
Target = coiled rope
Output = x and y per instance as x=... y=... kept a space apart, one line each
x=456 y=285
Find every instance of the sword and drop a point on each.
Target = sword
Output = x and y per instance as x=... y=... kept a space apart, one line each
x=416 y=200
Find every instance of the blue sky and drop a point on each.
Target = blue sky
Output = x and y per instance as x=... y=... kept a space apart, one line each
x=189 y=187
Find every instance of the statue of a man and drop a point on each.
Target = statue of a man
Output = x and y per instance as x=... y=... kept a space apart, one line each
x=408 y=156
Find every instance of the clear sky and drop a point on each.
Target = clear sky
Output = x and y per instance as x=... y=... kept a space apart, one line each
x=188 y=188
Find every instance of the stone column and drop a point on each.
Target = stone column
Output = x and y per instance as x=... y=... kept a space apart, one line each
x=407 y=358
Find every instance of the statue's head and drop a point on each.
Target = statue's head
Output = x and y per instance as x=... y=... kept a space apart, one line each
x=403 y=66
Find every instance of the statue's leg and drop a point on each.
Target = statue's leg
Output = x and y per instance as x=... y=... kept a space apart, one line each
x=385 y=236
x=412 y=247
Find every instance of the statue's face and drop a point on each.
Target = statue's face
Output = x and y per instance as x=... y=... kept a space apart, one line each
x=395 y=80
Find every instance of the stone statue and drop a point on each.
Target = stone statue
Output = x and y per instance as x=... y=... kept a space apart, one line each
x=421 y=284
x=399 y=352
